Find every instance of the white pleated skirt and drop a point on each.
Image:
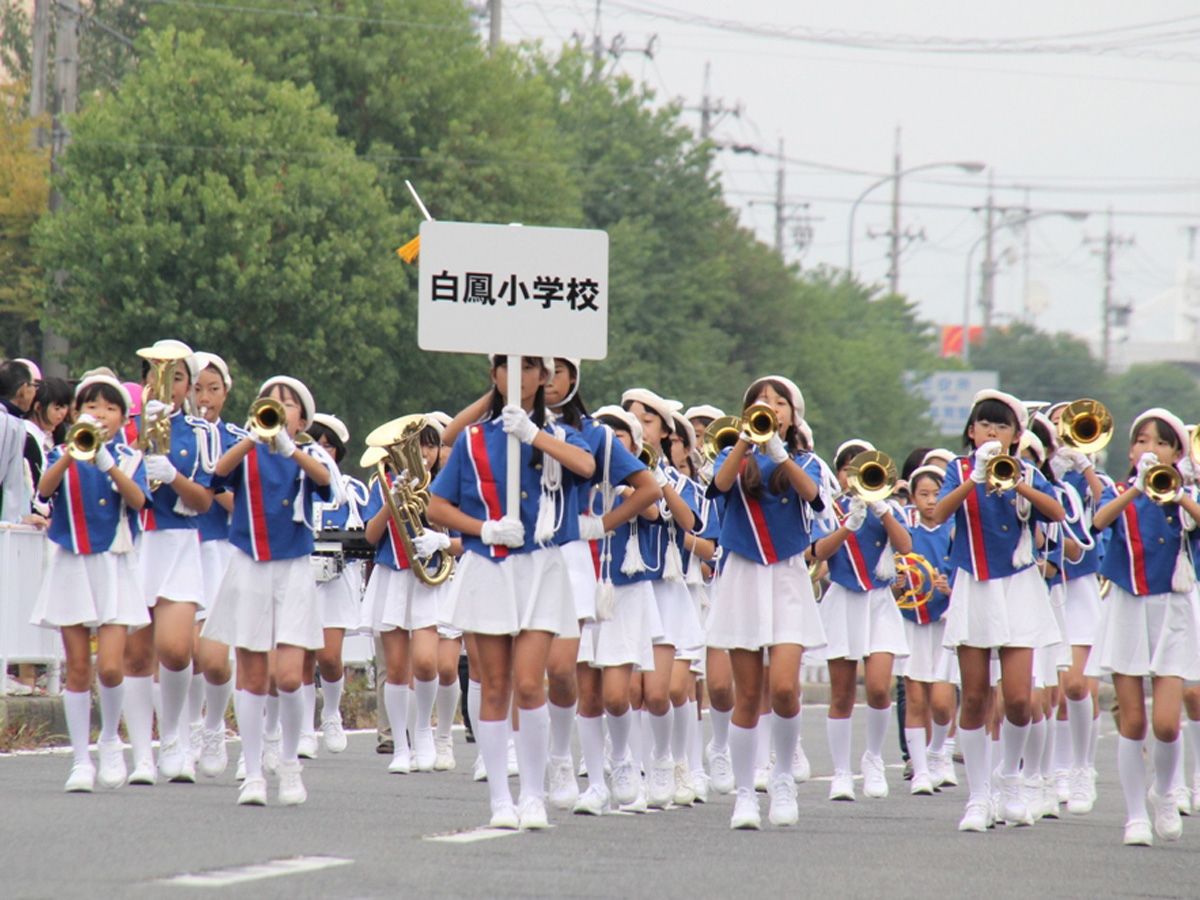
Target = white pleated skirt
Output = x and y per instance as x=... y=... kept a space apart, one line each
x=1049 y=661
x=338 y=599
x=214 y=557
x=1001 y=612
x=264 y=604
x=445 y=629
x=681 y=622
x=397 y=599
x=91 y=589
x=628 y=638
x=522 y=592
x=1083 y=610
x=581 y=569
x=1152 y=635
x=171 y=568
x=756 y=606
x=859 y=623
x=927 y=659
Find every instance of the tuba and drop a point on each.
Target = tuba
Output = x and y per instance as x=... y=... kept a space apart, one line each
x=758 y=419
x=400 y=443
x=1086 y=426
x=84 y=440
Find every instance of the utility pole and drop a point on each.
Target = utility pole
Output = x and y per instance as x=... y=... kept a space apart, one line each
x=1111 y=242
x=41 y=50
x=493 y=26
x=597 y=45
x=66 y=72
x=987 y=270
x=780 y=214
x=706 y=104
x=894 y=268
x=709 y=109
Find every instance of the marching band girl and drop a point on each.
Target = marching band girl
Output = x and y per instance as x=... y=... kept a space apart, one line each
x=999 y=602
x=267 y=600
x=929 y=669
x=1148 y=624
x=764 y=600
x=172 y=574
x=861 y=623
x=512 y=589
x=91 y=579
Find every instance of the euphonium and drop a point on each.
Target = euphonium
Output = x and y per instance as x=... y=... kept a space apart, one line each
x=1002 y=473
x=758 y=419
x=84 y=440
x=1162 y=483
x=871 y=476
x=408 y=498
x=1086 y=426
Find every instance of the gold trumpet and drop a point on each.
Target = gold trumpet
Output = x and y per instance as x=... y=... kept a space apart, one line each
x=84 y=440
x=267 y=418
x=1002 y=473
x=408 y=499
x=1162 y=483
x=1086 y=426
x=918 y=573
x=871 y=476
x=647 y=455
x=759 y=419
x=155 y=438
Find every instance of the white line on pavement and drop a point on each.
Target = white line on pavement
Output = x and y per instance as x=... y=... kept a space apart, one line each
x=256 y=871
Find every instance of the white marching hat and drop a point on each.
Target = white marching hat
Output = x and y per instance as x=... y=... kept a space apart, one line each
x=308 y=408
x=630 y=420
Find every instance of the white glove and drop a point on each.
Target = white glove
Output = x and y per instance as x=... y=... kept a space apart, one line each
x=507 y=532
x=156 y=411
x=775 y=449
x=104 y=459
x=1145 y=464
x=160 y=469
x=1073 y=459
x=283 y=444
x=746 y=436
x=880 y=508
x=983 y=456
x=591 y=528
x=660 y=476
x=428 y=543
x=516 y=421
x=856 y=516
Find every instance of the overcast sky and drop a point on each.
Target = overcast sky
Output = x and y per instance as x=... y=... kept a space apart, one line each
x=1092 y=104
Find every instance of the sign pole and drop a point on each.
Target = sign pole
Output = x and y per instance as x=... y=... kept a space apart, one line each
x=512 y=506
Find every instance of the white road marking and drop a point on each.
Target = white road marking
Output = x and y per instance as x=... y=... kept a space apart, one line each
x=470 y=837
x=295 y=865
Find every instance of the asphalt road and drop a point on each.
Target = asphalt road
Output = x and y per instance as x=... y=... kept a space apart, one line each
x=366 y=834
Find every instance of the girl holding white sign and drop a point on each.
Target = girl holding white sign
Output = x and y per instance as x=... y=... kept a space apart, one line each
x=512 y=588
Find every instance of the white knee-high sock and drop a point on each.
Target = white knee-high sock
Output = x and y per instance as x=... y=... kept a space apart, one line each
x=937 y=738
x=877 y=725
x=1015 y=737
x=637 y=741
x=139 y=715
x=250 y=711
x=591 y=742
x=395 y=697
x=293 y=708
x=785 y=734
x=492 y=739
x=308 y=712
x=762 y=750
x=216 y=698
x=425 y=693
x=533 y=745
x=1165 y=757
x=1132 y=770
x=695 y=750
x=1064 y=750
x=1051 y=738
x=175 y=687
x=974 y=742
x=1193 y=730
x=619 y=729
x=562 y=720
x=195 y=699
x=838 y=733
x=331 y=697
x=156 y=696
x=1032 y=765
x=1093 y=741
x=474 y=700
x=916 y=750
x=1177 y=777
x=682 y=719
x=660 y=732
x=271 y=713
x=78 y=707
x=111 y=699
x=1079 y=720
x=743 y=753
x=447 y=705
x=719 y=719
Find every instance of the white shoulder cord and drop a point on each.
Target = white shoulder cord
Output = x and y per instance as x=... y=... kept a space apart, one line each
x=1022 y=555
x=550 y=510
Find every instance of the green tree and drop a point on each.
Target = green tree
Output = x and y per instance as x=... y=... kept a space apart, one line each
x=1034 y=365
x=1168 y=385
x=206 y=203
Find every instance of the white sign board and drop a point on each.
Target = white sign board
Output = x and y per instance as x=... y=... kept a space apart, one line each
x=950 y=394
x=513 y=289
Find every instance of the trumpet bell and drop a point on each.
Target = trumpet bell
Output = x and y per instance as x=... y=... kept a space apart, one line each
x=1163 y=483
x=871 y=476
x=719 y=434
x=647 y=455
x=1002 y=473
x=1086 y=426
x=761 y=422
x=83 y=441
x=267 y=417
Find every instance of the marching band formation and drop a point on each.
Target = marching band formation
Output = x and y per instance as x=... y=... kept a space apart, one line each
x=658 y=556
